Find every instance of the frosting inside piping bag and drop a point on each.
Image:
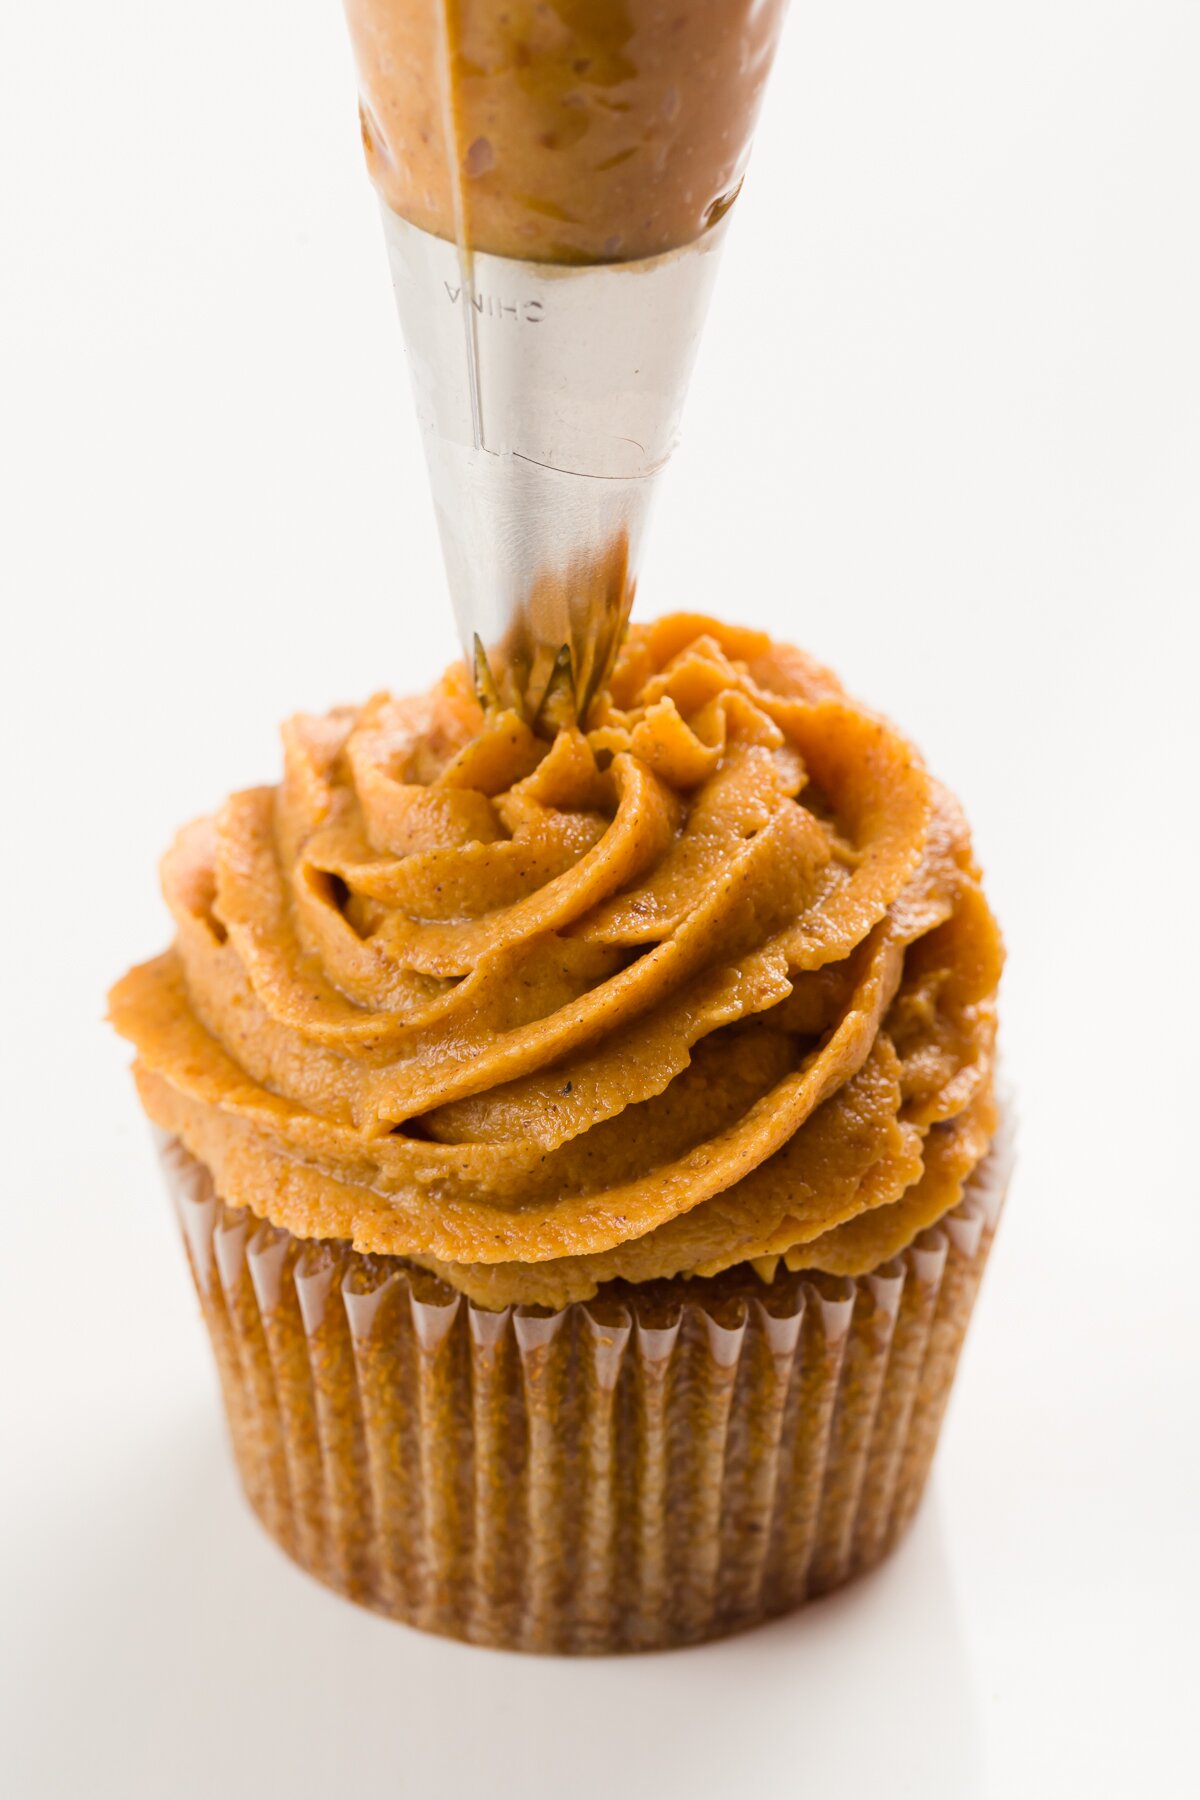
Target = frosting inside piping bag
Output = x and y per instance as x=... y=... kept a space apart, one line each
x=710 y=980
x=577 y=131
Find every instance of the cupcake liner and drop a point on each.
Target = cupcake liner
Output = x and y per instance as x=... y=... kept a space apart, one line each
x=657 y=1466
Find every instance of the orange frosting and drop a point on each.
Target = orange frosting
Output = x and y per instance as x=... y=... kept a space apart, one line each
x=562 y=131
x=711 y=981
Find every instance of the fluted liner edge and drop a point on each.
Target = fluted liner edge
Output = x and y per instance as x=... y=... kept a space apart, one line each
x=633 y=1472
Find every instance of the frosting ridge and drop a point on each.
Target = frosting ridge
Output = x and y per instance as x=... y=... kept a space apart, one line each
x=710 y=981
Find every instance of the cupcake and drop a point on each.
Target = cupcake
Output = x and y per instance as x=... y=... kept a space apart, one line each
x=586 y=1149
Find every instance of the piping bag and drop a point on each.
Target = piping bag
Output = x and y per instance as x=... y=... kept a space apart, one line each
x=555 y=178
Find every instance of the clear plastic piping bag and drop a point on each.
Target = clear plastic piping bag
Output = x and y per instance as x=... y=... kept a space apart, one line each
x=555 y=179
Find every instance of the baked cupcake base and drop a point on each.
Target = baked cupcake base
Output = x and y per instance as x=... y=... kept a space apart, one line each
x=655 y=1467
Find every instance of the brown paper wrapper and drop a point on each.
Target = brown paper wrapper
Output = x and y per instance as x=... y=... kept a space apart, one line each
x=654 y=1467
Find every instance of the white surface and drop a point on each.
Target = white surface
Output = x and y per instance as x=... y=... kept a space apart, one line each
x=946 y=430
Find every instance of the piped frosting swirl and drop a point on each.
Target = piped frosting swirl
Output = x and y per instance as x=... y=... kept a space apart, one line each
x=712 y=981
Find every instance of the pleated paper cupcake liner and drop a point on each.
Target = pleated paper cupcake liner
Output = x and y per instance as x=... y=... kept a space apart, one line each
x=657 y=1466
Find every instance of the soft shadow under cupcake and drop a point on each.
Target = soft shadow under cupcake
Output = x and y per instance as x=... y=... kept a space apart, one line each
x=189 y=1662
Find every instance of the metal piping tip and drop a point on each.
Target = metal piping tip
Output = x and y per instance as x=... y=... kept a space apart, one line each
x=549 y=399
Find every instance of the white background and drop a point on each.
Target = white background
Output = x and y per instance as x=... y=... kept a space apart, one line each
x=946 y=431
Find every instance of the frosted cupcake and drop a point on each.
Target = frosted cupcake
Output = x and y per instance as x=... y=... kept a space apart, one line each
x=585 y=1148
